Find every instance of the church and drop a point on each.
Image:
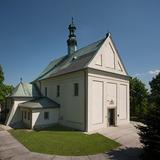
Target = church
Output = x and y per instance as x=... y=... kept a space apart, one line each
x=86 y=89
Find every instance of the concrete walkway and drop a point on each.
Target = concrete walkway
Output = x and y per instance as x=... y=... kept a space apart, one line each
x=124 y=134
x=11 y=149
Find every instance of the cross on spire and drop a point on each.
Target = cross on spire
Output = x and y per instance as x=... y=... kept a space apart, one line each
x=72 y=20
x=21 y=80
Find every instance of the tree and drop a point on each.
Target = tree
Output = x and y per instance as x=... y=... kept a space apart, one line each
x=1 y=75
x=138 y=98
x=155 y=90
x=1 y=85
x=4 y=89
x=150 y=132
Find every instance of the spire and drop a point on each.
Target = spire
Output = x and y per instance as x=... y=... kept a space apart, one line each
x=21 y=80
x=72 y=42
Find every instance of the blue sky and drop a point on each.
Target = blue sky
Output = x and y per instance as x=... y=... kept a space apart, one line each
x=34 y=32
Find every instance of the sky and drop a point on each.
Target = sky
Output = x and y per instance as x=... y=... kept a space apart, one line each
x=34 y=32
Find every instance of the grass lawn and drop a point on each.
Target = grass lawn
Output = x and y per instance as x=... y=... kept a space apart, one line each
x=63 y=141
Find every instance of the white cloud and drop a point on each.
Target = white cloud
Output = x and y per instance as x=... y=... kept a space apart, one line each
x=154 y=72
x=139 y=74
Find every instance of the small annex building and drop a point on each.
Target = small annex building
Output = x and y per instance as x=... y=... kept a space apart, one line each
x=86 y=89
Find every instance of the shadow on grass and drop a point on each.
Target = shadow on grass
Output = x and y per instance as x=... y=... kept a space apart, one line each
x=125 y=154
x=55 y=128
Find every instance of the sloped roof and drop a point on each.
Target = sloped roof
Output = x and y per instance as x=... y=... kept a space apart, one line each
x=40 y=103
x=70 y=63
x=25 y=90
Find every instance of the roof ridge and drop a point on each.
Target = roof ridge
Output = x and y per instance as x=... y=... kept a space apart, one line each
x=63 y=62
x=91 y=44
x=96 y=51
x=24 y=89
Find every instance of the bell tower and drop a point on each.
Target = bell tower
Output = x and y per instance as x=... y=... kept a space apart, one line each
x=72 y=42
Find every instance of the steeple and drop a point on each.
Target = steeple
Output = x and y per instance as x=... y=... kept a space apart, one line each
x=21 y=80
x=72 y=42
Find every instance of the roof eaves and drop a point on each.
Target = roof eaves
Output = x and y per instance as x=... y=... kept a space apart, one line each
x=39 y=77
x=119 y=56
x=107 y=72
x=57 y=75
x=21 y=97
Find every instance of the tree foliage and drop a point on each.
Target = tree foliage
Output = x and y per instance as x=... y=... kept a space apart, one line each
x=138 y=98
x=1 y=75
x=150 y=132
x=4 y=89
x=155 y=90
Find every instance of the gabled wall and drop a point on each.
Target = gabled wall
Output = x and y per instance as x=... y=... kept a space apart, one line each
x=107 y=59
x=14 y=114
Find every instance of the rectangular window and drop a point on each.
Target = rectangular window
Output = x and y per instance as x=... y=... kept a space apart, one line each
x=28 y=115
x=25 y=115
x=46 y=115
x=76 y=89
x=45 y=91
x=58 y=90
x=22 y=115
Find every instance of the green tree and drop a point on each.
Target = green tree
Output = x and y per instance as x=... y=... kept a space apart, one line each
x=4 y=89
x=138 y=98
x=155 y=90
x=150 y=132
x=1 y=75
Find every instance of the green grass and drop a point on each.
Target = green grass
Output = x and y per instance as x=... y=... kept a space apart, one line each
x=63 y=141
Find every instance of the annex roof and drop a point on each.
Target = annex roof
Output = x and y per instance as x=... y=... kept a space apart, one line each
x=25 y=90
x=70 y=63
x=39 y=103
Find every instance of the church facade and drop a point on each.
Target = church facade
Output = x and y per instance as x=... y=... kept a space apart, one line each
x=86 y=89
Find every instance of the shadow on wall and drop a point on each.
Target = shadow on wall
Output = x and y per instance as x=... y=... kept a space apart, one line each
x=125 y=154
x=16 y=120
x=35 y=91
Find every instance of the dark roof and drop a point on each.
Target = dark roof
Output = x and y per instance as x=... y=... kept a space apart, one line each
x=25 y=90
x=40 y=103
x=70 y=63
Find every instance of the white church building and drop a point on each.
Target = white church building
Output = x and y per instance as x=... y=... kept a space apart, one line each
x=86 y=89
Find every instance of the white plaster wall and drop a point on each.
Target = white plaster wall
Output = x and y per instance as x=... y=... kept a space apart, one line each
x=71 y=107
x=111 y=94
x=121 y=103
x=25 y=120
x=107 y=59
x=97 y=102
x=14 y=114
x=123 y=109
x=38 y=117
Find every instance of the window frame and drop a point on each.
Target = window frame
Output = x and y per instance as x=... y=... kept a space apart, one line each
x=45 y=91
x=46 y=115
x=58 y=91
x=29 y=116
x=25 y=115
x=76 y=89
x=22 y=115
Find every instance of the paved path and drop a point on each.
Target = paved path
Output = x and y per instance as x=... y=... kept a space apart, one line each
x=11 y=149
x=124 y=134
